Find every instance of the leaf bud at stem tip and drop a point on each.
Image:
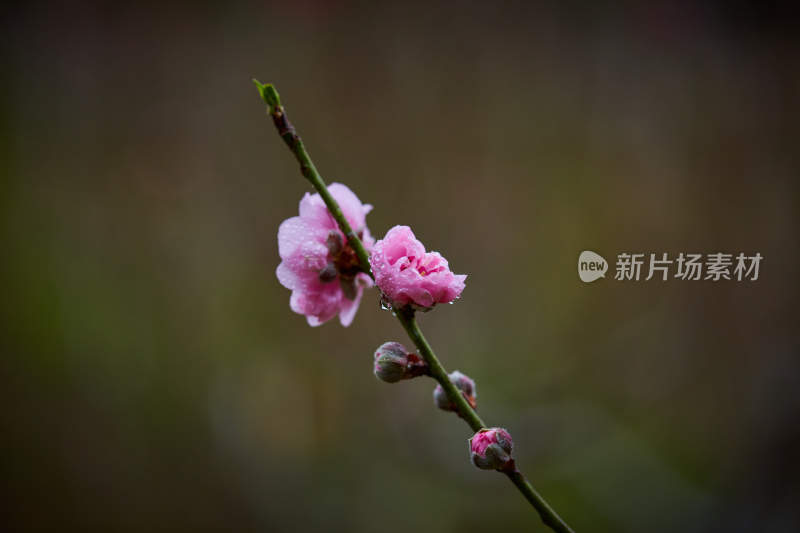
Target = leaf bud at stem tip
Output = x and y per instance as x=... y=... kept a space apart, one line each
x=268 y=93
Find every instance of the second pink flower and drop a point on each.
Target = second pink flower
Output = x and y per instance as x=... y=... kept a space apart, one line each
x=408 y=275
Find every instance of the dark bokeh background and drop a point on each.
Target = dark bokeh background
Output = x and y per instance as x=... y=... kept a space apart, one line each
x=153 y=377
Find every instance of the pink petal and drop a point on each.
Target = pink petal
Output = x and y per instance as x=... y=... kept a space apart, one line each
x=349 y=308
x=304 y=252
x=314 y=211
x=295 y=232
x=354 y=211
x=286 y=276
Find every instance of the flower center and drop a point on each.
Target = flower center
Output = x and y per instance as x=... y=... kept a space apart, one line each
x=346 y=262
x=342 y=264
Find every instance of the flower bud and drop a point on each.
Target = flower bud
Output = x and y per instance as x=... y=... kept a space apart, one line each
x=334 y=242
x=393 y=362
x=490 y=449
x=328 y=274
x=463 y=383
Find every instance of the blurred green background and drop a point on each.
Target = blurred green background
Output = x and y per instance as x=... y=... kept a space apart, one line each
x=154 y=379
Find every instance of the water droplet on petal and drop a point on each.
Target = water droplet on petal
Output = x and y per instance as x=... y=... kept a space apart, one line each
x=385 y=304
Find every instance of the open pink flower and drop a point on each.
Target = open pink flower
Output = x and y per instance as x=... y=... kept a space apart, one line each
x=406 y=274
x=318 y=265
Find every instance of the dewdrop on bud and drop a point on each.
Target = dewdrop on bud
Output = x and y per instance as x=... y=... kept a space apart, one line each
x=393 y=363
x=490 y=449
x=463 y=383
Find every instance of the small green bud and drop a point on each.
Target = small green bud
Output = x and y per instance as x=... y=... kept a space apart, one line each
x=463 y=383
x=391 y=360
x=268 y=93
x=393 y=363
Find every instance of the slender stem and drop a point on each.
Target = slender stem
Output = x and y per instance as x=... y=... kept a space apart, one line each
x=548 y=515
x=409 y=322
x=404 y=315
x=309 y=171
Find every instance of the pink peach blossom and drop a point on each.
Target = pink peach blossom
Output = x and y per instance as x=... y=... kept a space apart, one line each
x=317 y=263
x=406 y=274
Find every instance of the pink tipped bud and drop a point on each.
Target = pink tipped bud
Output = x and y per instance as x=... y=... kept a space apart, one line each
x=463 y=383
x=393 y=363
x=490 y=449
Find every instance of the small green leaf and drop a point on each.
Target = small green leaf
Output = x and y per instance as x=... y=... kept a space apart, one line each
x=268 y=93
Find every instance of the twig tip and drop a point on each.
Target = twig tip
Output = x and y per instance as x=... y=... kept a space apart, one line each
x=268 y=93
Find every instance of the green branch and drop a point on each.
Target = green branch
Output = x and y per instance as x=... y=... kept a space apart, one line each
x=404 y=315
x=307 y=168
x=548 y=515
x=437 y=371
